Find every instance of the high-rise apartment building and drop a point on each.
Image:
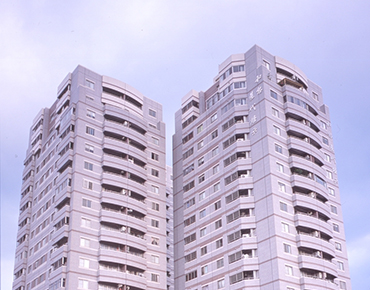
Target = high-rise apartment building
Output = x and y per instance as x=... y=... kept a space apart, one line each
x=169 y=232
x=256 y=199
x=93 y=201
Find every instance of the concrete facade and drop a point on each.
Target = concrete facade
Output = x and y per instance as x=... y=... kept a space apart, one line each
x=93 y=206
x=256 y=198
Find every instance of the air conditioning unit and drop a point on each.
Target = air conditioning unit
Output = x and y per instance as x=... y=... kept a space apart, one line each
x=246 y=235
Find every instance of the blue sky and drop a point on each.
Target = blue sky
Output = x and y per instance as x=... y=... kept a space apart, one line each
x=165 y=49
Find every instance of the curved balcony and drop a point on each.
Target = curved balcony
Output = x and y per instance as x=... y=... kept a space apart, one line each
x=131 y=259
x=118 y=236
x=318 y=283
x=305 y=182
x=115 y=142
x=123 y=179
x=322 y=265
x=310 y=202
x=128 y=131
x=125 y=278
x=119 y=113
x=123 y=164
x=25 y=213
x=61 y=213
x=295 y=143
x=114 y=101
x=308 y=221
x=296 y=102
x=123 y=200
x=111 y=216
x=305 y=163
x=310 y=240
x=58 y=252
x=309 y=136
x=308 y=121
x=61 y=234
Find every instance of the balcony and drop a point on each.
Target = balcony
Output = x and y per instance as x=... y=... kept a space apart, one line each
x=314 y=240
x=124 y=198
x=305 y=182
x=127 y=128
x=123 y=144
x=131 y=258
x=310 y=202
x=308 y=221
x=116 y=235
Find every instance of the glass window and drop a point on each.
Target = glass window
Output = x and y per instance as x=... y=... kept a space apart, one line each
x=202 y=213
x=325 y=140
x=155 y=223
x=155 y=172
x=283 y=206
x=200 y=161
x=152 y=113
x=277 y=131
x=83 y=284
x=282 y=187
x=273 y=95
x=90 y=84
x=200 y=144
x=331 y=191
x=154 y=277
x=155 y=259
x=90 y=114
x=216 y=187
x=203 y=231
x=218 y=224
x=84 y=243
x=329 y=174
x=342 y=285
x=200 y=128
x=215 y=152
x=219 y=243
x=289 y=270
x=155 y=189
x=324 y=125
x=278 y=148
x=155 y=206
x=214 y=118
x=336 y=228
x=90 y=131
x=89 y=148
x=216 y=169
x=155 y=140
x=84 y=263
x=214 y=134
x=275 y=112
x=88 y=166
x=220 y=284
x=338 y=246
x=287 y=248
x=201 y=178
x=203 y=250
x=266 y=64
x=86 y=203
x=202 y=195
x=220 y=263
x=285 y=227
x=218 y=205
x=155 y=156
x=280 y=167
